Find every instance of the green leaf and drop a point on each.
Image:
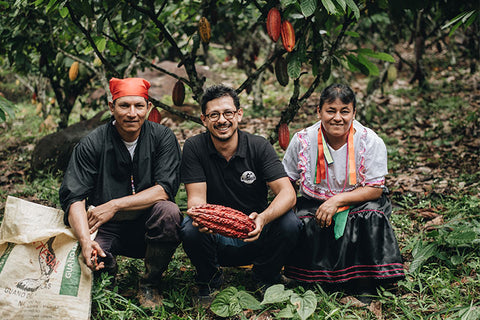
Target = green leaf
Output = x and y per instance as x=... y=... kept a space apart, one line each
x=355 y=65
x=101 y=43
x=247 y=301
x=372 y=68
x=276 y=293
x=352 y=34
x=421 y=254
x=308 y=7
x=342 y=4
x=286 y=3
x=287 y=312
x=377 y=55
x=459 y=18
x=461 y=237
x=6 y=108
x=63 y=12
x=327 y=71
x=305 y=304
x=225 y=304
x=294 y=65
x=330 y=6
x=456 y=260
x=351 y=4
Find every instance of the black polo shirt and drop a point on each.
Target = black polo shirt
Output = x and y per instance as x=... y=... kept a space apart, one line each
x=239 y=183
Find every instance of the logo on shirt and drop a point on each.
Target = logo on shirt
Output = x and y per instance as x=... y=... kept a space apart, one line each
x=248 y=177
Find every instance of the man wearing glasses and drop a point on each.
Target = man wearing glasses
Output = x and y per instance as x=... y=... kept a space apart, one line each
x=233 y=168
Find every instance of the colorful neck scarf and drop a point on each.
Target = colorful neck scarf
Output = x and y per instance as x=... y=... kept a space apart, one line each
x=324 y=155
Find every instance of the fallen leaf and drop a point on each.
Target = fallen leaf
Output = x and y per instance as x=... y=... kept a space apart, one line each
x=430 y=225
x=376 y=308
x=352 y=301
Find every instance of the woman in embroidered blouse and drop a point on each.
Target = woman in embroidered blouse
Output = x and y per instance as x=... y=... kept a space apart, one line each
x=340 y=166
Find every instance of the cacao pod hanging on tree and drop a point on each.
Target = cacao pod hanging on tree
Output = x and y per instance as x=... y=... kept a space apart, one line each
x=281 y=71
x=73 y=72
x=204 y=29
x=154 y=115
x=274 y=23
x=288 y=36
x=283 y=136
x=178 y=93
x=223 y=220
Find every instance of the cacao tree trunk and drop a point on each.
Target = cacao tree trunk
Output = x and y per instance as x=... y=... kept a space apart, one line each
x=420 y=35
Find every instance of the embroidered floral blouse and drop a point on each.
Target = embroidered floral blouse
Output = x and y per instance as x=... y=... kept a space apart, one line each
x=370 y=160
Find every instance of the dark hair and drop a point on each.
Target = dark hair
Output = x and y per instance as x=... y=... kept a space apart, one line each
x=218 y=91
x=338 y=91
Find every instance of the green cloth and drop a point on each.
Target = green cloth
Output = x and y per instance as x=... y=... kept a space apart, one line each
x=340 y=219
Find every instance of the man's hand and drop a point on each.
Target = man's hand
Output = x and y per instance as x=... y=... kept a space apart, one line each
x=259 y=224
x=99 y=215
x=91 y=251
x=192 y=214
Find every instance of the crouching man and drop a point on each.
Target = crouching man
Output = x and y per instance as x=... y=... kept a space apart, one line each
x=121 y=181
x=230 y=167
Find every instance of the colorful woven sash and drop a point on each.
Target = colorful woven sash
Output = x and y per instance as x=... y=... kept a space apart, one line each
x=323 y=155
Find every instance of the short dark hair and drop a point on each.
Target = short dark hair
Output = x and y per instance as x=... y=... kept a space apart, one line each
x=218 y=91
x=338 y=91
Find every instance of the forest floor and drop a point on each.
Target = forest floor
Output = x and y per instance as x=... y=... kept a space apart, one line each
x=433 y=142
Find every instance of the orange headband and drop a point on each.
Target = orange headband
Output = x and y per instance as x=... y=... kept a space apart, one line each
x=129 y=87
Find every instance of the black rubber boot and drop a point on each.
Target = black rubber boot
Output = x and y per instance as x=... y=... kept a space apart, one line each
x=157 y=258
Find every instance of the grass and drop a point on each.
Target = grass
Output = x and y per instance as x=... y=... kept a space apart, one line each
x=431 y=139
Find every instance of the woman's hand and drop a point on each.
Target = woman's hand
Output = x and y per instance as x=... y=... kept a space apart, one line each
x=325 y=212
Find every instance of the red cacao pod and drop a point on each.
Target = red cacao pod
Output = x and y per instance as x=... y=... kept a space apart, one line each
x=223 y=220
x=178 y=93
x=154 y=115
x=283 y=136
x=288 y=36
x=274 y=22
x=204 y=29
x=281 y=71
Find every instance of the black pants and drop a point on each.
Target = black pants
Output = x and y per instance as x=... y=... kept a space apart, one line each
x=129 y=238
x=268 y=254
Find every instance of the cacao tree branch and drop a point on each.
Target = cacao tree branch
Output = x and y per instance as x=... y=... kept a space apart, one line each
x=134 y=58
x=257 y=72
x=289 y=113
x=189 y=62
x=174 y=111
x=143 y=59
x=346 y=23
x=90 y=40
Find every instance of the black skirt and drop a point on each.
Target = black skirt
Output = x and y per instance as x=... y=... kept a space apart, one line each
x=368 y=248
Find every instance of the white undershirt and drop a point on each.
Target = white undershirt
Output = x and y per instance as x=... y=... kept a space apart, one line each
x=131 y=146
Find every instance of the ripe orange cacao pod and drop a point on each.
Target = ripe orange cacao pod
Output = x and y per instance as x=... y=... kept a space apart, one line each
x=154 y=115
x=274 y=23
x=223 y=220
x=204 y=29
x=288 y=36
x=281 y=71
x=283 y=136
x=73 y=72
x=178 y=93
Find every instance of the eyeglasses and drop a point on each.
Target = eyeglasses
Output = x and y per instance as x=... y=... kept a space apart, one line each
x=215 y=116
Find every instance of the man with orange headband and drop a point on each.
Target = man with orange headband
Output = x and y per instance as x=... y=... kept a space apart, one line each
x=126 y=173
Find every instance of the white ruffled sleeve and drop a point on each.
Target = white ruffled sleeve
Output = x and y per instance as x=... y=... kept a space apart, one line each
x=374 y=161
